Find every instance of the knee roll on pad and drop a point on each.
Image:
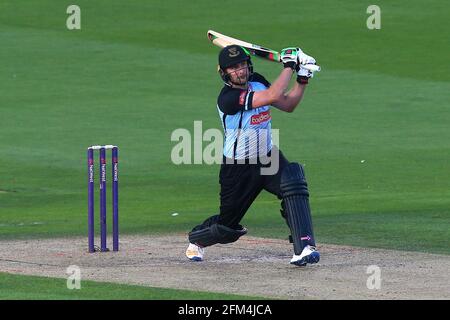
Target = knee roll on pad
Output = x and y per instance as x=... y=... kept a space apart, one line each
x=216 y=233
x=295 y=194
x=293 y=181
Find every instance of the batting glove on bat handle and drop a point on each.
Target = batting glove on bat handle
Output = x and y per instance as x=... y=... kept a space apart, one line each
x=288 y=57
x=306 y=61
x=303 y=74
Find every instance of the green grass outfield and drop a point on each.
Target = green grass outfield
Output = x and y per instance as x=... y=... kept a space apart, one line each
x=373 y=129
x=19 y=287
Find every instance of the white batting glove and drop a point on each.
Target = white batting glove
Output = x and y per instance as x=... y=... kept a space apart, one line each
x=303 y=58
x=303 y=72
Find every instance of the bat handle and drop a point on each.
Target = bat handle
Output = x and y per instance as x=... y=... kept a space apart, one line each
x=312 y=67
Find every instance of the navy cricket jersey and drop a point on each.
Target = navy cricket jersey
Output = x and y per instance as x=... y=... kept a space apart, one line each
x=247 y=130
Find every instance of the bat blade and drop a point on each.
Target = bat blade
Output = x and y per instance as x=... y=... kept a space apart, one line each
x=222 y=41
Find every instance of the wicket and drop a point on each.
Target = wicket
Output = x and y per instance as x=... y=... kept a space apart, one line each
x=102 y=196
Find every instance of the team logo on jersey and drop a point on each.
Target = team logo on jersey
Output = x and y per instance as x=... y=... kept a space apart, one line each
x=260 y=118
x=242 y=98
x=233 y=52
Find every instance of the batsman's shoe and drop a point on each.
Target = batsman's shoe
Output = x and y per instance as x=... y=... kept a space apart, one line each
x=194 y=252
x=308 y=255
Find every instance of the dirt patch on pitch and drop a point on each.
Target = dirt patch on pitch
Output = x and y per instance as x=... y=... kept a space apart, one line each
x=251 y=266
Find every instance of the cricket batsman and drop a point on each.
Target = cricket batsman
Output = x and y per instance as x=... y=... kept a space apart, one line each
x=244 y=111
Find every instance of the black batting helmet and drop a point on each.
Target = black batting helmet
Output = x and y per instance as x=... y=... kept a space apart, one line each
x=231 y=55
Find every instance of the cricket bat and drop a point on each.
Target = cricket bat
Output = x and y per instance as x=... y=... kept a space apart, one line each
x=222 y=40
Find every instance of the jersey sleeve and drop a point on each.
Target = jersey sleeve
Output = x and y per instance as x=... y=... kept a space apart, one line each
x=232 y=101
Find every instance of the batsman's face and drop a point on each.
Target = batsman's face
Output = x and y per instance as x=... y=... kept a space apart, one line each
x=238 y=73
